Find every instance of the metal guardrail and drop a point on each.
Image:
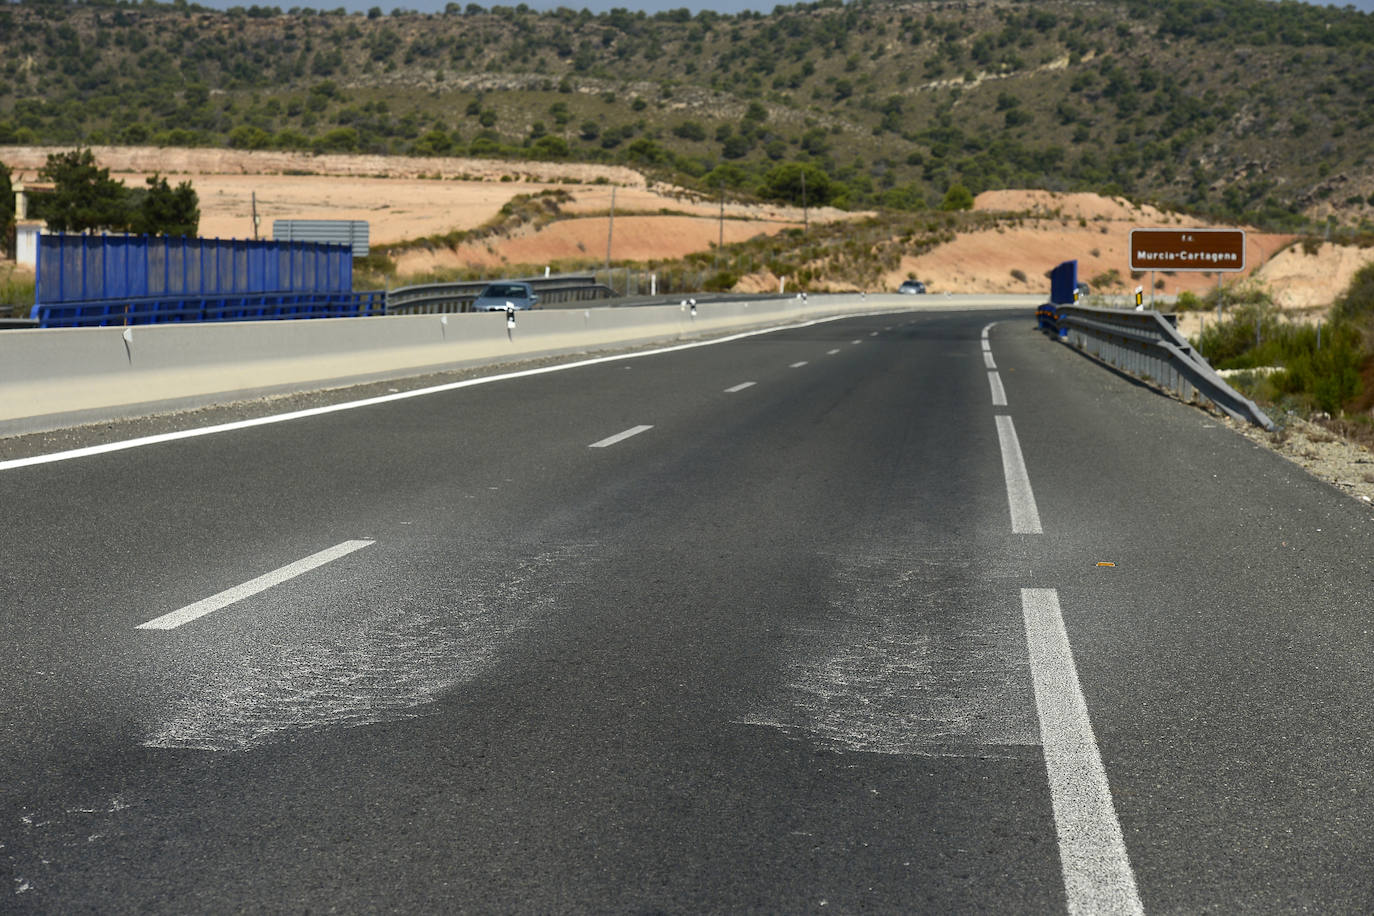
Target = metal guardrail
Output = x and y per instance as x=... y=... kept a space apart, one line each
x=435 y=298
x=675 y=298
x=1148 y=345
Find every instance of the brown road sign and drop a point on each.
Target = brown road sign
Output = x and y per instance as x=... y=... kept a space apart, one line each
x=1188 y=249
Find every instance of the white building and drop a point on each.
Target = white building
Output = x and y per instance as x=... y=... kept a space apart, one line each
x=27 y=231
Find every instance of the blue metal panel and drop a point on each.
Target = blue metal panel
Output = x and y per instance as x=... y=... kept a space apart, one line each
x=1064 y=283
x=158 y=274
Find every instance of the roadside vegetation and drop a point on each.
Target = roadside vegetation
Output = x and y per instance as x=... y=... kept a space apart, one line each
x=16 y=292
x=1323 y=370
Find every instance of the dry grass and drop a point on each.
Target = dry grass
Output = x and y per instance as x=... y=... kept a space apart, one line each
x=1359 y=429
x=16 y=291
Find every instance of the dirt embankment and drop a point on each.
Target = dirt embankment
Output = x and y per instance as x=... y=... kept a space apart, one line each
x=1303 y=283
x=626 y=238
x=1310 y=280
x=1044 y=228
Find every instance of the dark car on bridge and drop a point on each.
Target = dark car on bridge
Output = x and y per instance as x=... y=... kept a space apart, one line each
x=911 y=287
x=499 y=296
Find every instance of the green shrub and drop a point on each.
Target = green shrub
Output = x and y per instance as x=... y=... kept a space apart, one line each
x=1329 y=377
x=1356 y=304
x=1325 y=377
x=720 y=282
x=1234 y=343
x=1189 y=302
x=957 y=197
x=550 y=147
x=1106 y=280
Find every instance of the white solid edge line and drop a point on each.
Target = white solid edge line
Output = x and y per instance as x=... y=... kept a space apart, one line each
x=999 y=394
x=740 y=387
x=987 y=360
x=620 y=437
x=1025 y=517
x=797 y=365
x=260 y=584
x=1092 y=852
x=108 y=447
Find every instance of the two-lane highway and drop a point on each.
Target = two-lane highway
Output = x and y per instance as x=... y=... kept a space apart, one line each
x=801 y=620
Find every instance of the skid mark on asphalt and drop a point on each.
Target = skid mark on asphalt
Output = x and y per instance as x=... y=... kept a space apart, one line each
x=387 y=668
x=214 y=696
x=385 y=673
x=289 y=681
x=910 y=660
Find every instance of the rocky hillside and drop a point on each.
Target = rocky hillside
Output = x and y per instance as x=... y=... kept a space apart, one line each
x=1235 y=109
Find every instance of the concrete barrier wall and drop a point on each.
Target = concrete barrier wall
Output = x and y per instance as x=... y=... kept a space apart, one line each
x=55 y=378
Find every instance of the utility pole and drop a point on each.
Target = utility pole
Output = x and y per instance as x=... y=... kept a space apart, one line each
x=805 y=222
x=255 y=215
x=720 y=238
x=610 y=234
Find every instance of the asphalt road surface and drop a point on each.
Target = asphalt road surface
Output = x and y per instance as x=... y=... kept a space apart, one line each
x=805 y=621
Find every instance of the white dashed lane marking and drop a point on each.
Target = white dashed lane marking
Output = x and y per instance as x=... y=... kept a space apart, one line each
x=999 y=394
x=1025 y=517
x=740 y=387
x=620 y=437
x=248 y=589
x=1092 y=852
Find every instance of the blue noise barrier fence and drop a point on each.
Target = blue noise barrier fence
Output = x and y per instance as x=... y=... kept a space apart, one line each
x=89 y=281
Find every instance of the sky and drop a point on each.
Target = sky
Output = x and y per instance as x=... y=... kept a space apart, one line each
x=596 y=6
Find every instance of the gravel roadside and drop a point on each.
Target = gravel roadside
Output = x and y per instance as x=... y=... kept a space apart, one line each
x=1348 y=466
